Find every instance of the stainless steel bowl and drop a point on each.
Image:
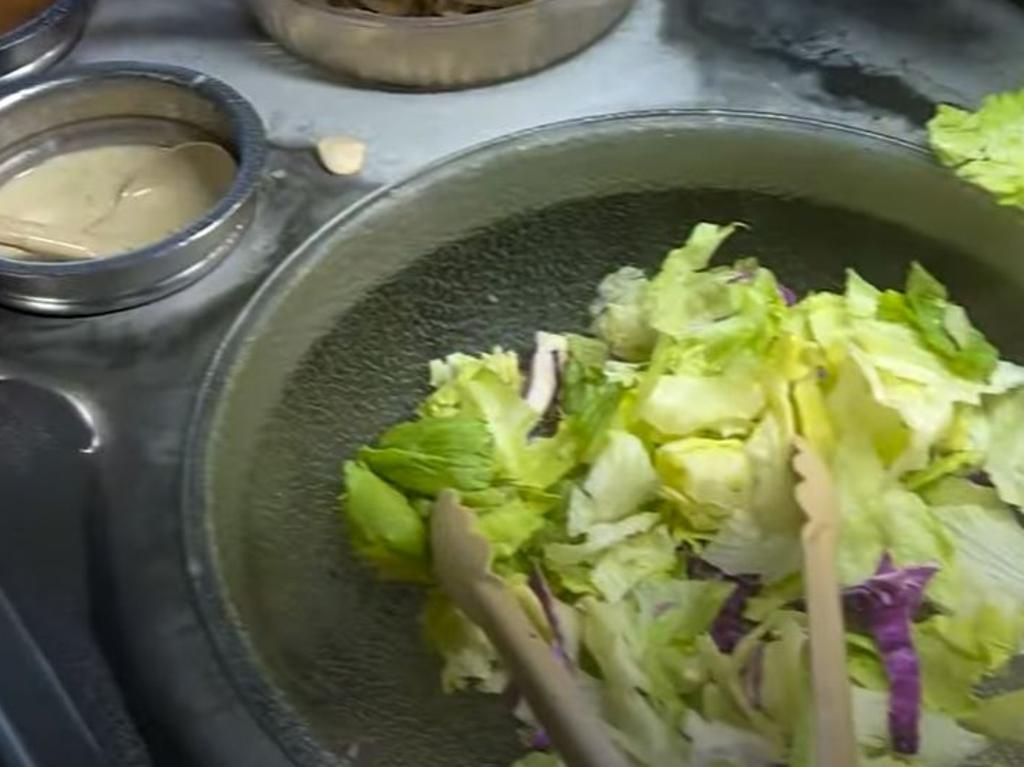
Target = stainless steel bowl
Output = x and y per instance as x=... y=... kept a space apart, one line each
x=128 y=104
x=443 y=52
x=42 y=40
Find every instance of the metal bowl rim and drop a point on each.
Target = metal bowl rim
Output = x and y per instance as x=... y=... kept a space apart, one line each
x=357 y=17
x=48 y=17
x=235 y=654
x=247 y=131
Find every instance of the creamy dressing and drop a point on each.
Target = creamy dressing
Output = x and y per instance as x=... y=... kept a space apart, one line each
x=119 y=197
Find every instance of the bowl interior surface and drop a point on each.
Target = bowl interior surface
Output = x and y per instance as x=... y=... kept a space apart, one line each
x=485 y=250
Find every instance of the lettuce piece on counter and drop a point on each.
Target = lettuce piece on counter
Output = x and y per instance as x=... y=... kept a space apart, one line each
x=985 y=147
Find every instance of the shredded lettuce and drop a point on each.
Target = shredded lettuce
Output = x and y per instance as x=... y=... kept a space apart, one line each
x=984 y=147
x=1000 y=716
x=636 y=492
x=432 y=454
x=384 y=526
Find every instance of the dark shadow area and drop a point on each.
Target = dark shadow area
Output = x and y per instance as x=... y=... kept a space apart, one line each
x=830 y=40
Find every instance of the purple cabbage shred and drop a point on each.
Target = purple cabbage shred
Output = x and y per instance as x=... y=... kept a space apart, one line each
x=539 y=740
x=789 y=295
x=539 y=585
x=730 y=626
x=886 y=603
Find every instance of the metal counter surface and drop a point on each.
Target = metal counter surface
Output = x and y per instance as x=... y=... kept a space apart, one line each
x=880 y=63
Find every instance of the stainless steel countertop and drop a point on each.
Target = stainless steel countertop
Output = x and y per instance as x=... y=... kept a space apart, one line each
x=877 y=63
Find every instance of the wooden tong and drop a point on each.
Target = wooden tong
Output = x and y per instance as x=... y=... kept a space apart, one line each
x=462 y=561
x=835 y=741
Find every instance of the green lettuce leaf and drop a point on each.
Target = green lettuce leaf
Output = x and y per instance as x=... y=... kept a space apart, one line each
x=599 y=537
x=785 y=689
x=945 y=328
x=879 y=515
x=489 y=388
x=1004 y=461
x=620 y=317
x=988 y=538
x=648 y=641
x=706 y=472
x=633 y=561
x=726 y=697
x=681 y=405
x=682 y=297
x=589 y=397
x=1000 y=717
x=650 y=739
x=958 y=651
x=716 y=744
x=984 y=147
x=620 y=481
x=944 y=743
x=432 y=454
x=511 y=526
x=744 y=547
x=470 y=660
x=384 y=526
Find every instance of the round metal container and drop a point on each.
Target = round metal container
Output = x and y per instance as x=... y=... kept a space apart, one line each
x=128 y=104
x=42 y=40
x=438 y=52
x=481 y=250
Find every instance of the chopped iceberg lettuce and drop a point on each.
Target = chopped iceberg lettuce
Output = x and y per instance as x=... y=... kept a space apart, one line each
x=636 y=493
x=984 y=147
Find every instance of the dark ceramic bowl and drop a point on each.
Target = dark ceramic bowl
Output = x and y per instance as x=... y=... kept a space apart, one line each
x=487 y=248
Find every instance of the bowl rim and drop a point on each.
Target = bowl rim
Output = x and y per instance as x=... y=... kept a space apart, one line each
x=43 y=18
x=247 y=132
x=374 y=20
x=257 y=694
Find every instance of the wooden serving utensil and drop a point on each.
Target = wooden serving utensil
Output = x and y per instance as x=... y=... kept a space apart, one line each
x=836 y=743
x=462 y=561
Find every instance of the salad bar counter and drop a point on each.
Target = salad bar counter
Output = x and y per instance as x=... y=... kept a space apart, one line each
x=174 y=577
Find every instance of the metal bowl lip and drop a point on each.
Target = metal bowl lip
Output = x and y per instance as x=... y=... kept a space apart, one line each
x=247 y=130
x=45 y=19
x=236 y=656
x=373 y=20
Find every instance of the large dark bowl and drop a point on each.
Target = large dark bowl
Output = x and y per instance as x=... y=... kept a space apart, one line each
x=481 y=250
